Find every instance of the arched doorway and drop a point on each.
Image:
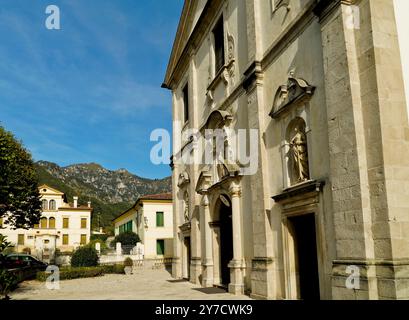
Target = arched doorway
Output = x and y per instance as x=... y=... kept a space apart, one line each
x=226 y=240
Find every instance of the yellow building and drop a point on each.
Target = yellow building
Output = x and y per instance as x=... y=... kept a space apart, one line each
x=64 y=226
x=151 y=217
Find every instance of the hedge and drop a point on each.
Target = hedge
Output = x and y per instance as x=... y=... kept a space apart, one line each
x=67 y=273
x=84 y=257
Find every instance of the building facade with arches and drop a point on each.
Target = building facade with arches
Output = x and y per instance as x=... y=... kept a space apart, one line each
x=318 y=208
x=64 y=226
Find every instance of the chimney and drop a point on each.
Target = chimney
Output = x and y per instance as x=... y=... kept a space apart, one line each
x=89 y=204
x=75 y=202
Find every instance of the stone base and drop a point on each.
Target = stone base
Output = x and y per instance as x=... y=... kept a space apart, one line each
x=207 y=281
x=195 y=270
x=236 y=285
x=378 y=279
x=237 y=289
x=261 y=276
x=176 y=268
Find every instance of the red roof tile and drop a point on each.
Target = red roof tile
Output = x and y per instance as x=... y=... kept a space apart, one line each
x=160 y=196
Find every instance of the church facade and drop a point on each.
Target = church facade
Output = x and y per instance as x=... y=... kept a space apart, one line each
x=313 y=93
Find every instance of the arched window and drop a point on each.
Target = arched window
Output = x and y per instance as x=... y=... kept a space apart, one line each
x=52 y=205
x=43 y=223
x=44 y=204
x=51 y=222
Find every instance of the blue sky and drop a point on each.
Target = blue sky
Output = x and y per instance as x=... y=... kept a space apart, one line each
x=89 y=92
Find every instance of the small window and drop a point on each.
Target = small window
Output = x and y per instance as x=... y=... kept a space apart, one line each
x=52 y=205
x=36 y=226
x=160 y=247
x=30 y=237
x=51 y=223
x=20 y=240
x=43 y=223
x=44 y=204
x=65 y=239
x=159 y=219
x=65 y=223
x=186 y=102
x=83 y=239
x=218 y=33
x=46 y=241
x=83 y=223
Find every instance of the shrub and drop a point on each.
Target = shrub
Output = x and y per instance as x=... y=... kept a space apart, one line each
x=8 y=282
x=4 y=244
x=101 y=237
x=84 y=257
x=73 y=273
x=127 y=238
x=115 y=269
x=68 y=273
x=128 y=262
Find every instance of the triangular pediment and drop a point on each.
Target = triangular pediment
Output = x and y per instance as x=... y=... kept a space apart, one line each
x=45 y=189
x=204 y=181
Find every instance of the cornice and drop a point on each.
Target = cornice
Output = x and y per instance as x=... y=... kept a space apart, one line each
x=199 y=32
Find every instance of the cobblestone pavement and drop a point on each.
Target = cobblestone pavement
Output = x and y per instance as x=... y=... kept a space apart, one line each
x=142 y=285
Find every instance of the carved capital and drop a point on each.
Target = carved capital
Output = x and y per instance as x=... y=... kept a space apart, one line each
x=235 y=190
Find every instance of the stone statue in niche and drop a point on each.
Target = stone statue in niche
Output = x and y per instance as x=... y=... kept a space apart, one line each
x=186 y=213
x=299 y=155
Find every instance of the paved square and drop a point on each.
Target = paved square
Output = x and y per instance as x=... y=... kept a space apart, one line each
x=144 y=284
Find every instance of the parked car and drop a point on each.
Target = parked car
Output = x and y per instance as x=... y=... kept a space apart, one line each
x=20 y=260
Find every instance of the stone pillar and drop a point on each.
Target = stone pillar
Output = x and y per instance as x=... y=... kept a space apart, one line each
x=264 y=279
x=368 y=145
x=207 y=261
x=195 y=261
x=98 y=247
x=236 y=285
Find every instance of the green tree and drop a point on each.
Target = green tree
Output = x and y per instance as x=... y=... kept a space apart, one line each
x=85 y=257
x=19 y=193
x=127 y=238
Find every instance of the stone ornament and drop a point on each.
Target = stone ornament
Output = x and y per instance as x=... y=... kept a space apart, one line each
x=186 y=207
x=293 y=92
x=299 y=154
x=183 y=179
x=277 y=4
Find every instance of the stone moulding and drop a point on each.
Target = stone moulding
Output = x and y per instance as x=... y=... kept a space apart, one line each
x=293 y=92
x=300 y=189
x=183 y=179
x=261 y=263
x=185 y=227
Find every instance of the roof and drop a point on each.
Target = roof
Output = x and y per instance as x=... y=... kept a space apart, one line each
x=159 y=196
x=45 y=186
x=148 y=197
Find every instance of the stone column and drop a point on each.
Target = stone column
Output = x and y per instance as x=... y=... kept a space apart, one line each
x=207 y=261
x=195 y=261
x=236 y=285
x=368 y=125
